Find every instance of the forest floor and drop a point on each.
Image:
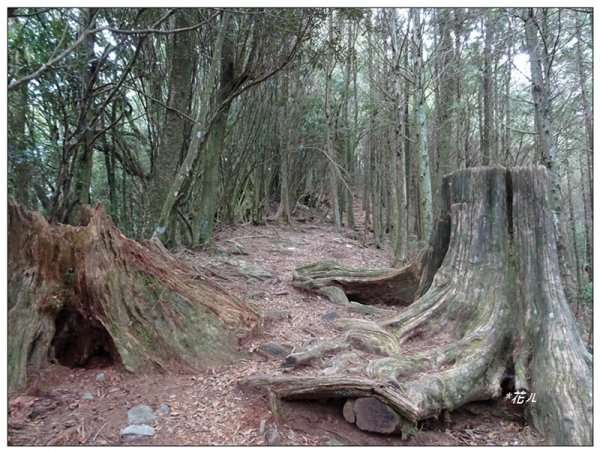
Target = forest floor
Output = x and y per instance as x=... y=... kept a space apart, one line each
x=210 y=408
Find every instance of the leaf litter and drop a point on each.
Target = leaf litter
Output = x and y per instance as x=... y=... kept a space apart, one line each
x=209 y=407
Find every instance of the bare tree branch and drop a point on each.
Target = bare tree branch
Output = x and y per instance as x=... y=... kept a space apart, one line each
x=85 y=34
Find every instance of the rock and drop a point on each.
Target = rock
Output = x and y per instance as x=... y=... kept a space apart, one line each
x=250 y=270
x=330 y=316
x=274 y=350
x=133 y=432
x=140 y=414
x=237 y=249
x=163 y=410
x=217 y=250
x=272 y=436
x=100 y=377
x=374 y=416
x=87 y=395
x=348 y=411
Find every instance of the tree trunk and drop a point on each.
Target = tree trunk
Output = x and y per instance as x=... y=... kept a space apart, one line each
x=425 y=196
x=488 y=126
x=86 y=295
x=329 y=132
x=173 y=138
x=495 y=307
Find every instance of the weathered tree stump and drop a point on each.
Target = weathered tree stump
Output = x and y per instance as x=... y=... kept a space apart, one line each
x=495 y=303
x=85 y=294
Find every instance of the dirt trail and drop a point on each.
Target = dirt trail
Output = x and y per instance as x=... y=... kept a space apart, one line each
x=210 y=408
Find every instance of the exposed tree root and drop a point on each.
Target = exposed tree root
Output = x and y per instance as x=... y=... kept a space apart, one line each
x=495 y=304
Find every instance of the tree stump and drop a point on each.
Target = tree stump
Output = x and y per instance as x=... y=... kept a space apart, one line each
x=489 y=299
x=85 y=295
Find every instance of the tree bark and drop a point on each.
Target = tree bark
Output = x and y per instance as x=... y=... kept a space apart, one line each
x=425 y=195
x=175 y=132
x=494 y=307
x=83 y=294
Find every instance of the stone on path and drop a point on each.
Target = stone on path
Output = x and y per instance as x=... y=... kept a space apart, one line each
x=329 y=316
x=140 y=414
x=163 y=410
x=133 y=432
x=274 y=350
x=87 y=395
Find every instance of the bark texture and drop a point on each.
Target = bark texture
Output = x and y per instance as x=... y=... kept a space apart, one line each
x=86 y=294
x=493 y=308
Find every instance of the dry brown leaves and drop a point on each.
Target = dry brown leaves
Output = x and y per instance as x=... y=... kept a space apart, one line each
x=209 y=408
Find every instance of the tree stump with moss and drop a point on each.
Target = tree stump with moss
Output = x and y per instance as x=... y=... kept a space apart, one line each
x=488 y=302
x=84 y=295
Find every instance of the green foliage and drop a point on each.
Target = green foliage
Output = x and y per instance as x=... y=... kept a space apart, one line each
x=586 y=294
x=122 y=108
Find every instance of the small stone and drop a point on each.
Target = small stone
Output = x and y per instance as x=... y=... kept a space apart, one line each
x=275 y=350
x=87 y=395
x=140 y=414
x=329 y=316
x=133 y=432
x=163 y=410
x=272 y=437
x=100 y=377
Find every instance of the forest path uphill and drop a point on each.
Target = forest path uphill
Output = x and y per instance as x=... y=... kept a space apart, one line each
x=209 y=408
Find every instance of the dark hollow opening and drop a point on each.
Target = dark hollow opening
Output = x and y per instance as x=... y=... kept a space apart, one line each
x=81 y=343
x=508 y=381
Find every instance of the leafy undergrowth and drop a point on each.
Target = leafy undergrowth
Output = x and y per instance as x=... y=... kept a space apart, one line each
x=210 y=408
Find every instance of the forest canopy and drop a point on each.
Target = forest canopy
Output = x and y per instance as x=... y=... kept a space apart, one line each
x=182 y=121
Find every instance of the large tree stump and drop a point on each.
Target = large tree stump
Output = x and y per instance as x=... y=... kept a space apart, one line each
x=85 y=294
x=495 y=308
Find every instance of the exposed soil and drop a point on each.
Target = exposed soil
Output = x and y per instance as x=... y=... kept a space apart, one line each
x=210 y=408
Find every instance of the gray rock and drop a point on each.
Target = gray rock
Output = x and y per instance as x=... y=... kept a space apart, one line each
x=272 y=436
x=133 y=432
x=140 y=414
x=274 y=350
x=100 y=377
x=330 y=316
x=87 y=395
x=163 y=410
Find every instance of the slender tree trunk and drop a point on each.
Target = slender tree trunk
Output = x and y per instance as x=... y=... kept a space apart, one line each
x=173 y=133
x=398 y=149
x=349 y=143
x=444 y=101
x=84 y=154
x=545 y=127
x=575 y=246
x=21 y=169
x=330 y=133
x=587 y=223
x=425 y=195
x=506 y=137
x=488 y=126
x=588 y=197
x=199 y=138
x=284 y=150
